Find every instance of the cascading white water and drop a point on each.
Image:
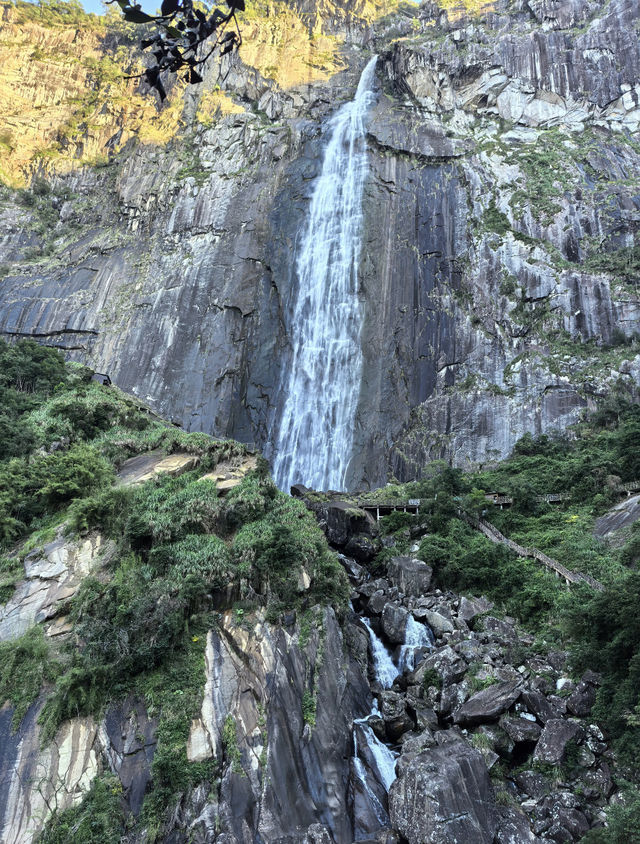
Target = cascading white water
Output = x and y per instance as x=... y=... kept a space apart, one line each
x=385 y=670
x=384 y=758
x=416 y=636
x=383 y=767
x=315 y=436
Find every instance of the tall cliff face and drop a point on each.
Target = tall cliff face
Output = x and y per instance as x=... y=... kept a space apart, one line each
x=499 y=258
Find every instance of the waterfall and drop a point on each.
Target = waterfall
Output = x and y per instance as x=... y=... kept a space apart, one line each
x=381 y=763
x=384 y=758
x=315 y=437
x=416 y=636
x=385 y=670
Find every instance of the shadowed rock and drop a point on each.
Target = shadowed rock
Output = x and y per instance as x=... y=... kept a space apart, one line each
x=554 y=740
x=394 y=623
x=444 y=796
x=488 y=704
x=411 y=576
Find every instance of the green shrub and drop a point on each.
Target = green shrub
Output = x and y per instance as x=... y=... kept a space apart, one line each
x=28 y=367
x=11 y=571
x=232 y=752
x=97 y=820
x=25 y=664
x=605 y=628
x=203 y=556
x=41 y=486
x=107 y=509
x=276 y=547
x=171 y=508
x=465 y=561
x=396 y=520
x=173 y=693
x=623 y=822
x=28 y=373
x=431 y=678
x=124 y=628
x=309 y=704
x=250 y=500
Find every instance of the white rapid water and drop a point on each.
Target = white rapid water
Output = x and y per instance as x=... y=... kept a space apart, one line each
x=386 y=671
x=416 y=636
x=315 y=437
x=383 y=767
x=385 y=759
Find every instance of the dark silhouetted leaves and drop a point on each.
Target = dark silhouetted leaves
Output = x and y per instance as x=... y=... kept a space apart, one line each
x=182 y=31
x=135 y=15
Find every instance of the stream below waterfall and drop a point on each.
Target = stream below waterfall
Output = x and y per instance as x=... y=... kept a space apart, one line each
x=314 y=440
x=374 y=760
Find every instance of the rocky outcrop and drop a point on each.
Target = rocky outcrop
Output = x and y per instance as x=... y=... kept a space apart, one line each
x=611 y=526
x=487 y=705
x=37 y=781
x=349 y=529
x=153 y=464
x=290 y=708
x=444 y=795
x=411 y=576
x=53 y=575
x=260 y=680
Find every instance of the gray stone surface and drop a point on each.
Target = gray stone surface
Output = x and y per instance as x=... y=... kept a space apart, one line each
x=472 y=607
x=581 y=700
x=514 y=828
x=520 y=729
x=53 y=574
x=553 y=742
x=487 y=705
x=411 y=576
x=444 y=795
x=539 y=706
x=394 y=622
x=448 y=665
x=622 y=516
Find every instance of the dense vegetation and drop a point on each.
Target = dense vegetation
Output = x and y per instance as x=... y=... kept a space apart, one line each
x=179 y=554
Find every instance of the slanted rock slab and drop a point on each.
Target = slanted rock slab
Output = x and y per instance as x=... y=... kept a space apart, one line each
x=520 y=729
x=394 y=623
x=444 y=796
x=472 y=607
x=581 y=700
x=449 y=666
x=438 y=622
x=411 y=576
x=539 y=706
x=488 y=704
x=555 y=737
x=146 y=466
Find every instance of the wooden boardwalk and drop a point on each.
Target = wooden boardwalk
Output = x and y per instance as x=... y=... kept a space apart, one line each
x=412 y=505
x=378 y=509
x=500 y=500
x=559 y=570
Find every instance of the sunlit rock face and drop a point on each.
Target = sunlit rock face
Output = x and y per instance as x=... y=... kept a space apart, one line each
x=500 y=218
